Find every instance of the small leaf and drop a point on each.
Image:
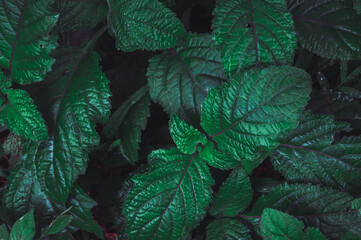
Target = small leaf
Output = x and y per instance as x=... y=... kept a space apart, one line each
x=170 y=199
x=186 y=137
x=24 y=228
x=357 y=6
x=61 y=222
x=227 y=229
x=216 y=158
x=179 y=79
x=12 y=147
x=146 y=25
x=234 y=196
x=4 y=234
x=25 y=42
x=328 y=28
x=254 y=110
x=278 y=225
x=21 y=116
x=253 y=33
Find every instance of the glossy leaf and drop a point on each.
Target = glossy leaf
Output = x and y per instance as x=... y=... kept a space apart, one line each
x=25 y=42
x=186 y=137
x=216 y=158
x=146 y=25
x=24 y=228
x=254 y=110
x=234 y=196
x=12 y=148
x=59 y=223
x=170 y=199
x=179 y=79
x=323 y=208
x=328 y=28
x=21 y=116
x=253 y=33
x=227 y=229
x=75 y=14
x=314 y=234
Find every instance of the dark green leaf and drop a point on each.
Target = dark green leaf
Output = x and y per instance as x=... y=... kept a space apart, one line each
x=314 y=234
x=180 y=78
x=328 y=28
x=216 y=158
x=234 y=196
x=4 y=234
x=254 y=110
x=12 y=147
x=168 y=3
x=146 y=24
x=58 y=224
x=357 y=6
x=21 y=116
x=253 y=33
x=24 y=228
x=25 y=42
x=227 y=229
x=170 y=199
x=186 y=137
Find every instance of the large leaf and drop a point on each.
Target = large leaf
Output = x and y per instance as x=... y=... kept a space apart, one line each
x=253 y=33
x=227 y=229
x=254 y=110
x=180 y=78
x=146 y=24
x=234 y=196
x=21 y=116
x=75 y=14
x=328 y=28
x=307 y=155
x=323 y=208
x=78 y=98
x=24 y=228
x=25 y=43
x=170 y=199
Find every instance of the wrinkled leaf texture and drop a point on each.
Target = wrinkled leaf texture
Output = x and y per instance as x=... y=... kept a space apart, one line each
x=227 y=229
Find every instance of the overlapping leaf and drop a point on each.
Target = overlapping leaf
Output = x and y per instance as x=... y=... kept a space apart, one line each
x=75 y=14
x=234 y=196
x=25 y=42
x=227 y=229
x=170 y=199
x=307 y=155
x=254 y=110
x=323 y=208
x=328 y=28
x=24 y=228
x=216 y=158
x=180 y=78
x=253 y=33
x=146 y=24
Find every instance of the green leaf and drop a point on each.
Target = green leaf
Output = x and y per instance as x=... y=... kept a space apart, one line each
x=78 y=97
x=24 y=228
x=227 y=229
x=146 y=25
x=357 y=6
x=59 y=223
x=21 y=116
x=75 y=14
x=4 y=234
x=279 y=225
x=216 y=158
x=234 y=196
x=252 y=112
x=180 y=78
x=12 y=147
x=253 y=33
x=25 y=42
x=323 y=208
x=168 y=3
x=352 y=92
x=306 y=155
x=170 y=199
x=328 y=28
x=186 y=137
x=314 y=234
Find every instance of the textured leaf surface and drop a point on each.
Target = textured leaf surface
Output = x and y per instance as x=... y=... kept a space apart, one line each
x=180 y=78
x=12 y=148
x=61 y=222
x=4 y=234
x=24 y=228
x=314 y=234
x=227 y=229
x=170 y=199
x=322 y=208
x=25 y=43
x=216 y=158
x=328 y=28
x=75 y=14
x=21 y=116
x=78 y=97
x=186 y=137
x=147 y=25
x=307 y=155
x=234 y=196
x=253 y=33
x=254 y=110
